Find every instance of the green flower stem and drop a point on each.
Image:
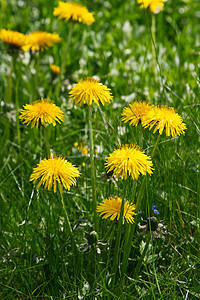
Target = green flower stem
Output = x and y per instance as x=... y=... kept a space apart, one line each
x=153 y=36
x=46 y=141
x=41 y=141
x=35 y=93
x=155 y=146
x=117 y=244
x=8 y=92
x=128 y=241
x=69 y=229
x=108 y=232
x=62 y=68
x=17 y=104
x=93 y=177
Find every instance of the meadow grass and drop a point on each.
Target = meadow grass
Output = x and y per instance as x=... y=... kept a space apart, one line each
x=37 y=257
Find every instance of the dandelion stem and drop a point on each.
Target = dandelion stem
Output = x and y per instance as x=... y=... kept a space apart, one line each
x=63 y=63
x=117 y=244
x=8 y=92
x=108 y=232
x=93 y=177
x=17 y=104
x=69 y=229
x=153 y=36
x=35 y=75
x=128 y=242
x=155 y=146
x=46 y=141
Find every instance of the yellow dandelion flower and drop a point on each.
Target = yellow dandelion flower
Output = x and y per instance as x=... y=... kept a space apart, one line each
x=55 y=171
x=13 y=38
x=84 y=150
x=128 y=160
x=111 y=207
x=136 y=112
x=55 y=69
x=165 y=118
x=155 y=6
x=89 y=89
x=40 y=40
x=41 y=112
x=74 y=12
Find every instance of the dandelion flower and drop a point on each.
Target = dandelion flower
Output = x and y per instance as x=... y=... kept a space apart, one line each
x=89 y=89
x=41 y=40
x=136 y=112
x=155 y=6
x=55 y=69
x=82 y=148
x=165 y=118
x=111 y=208
x=73 y=11
x=41 y=112
x=13 y=38
x=55 y=170
x=128 y=160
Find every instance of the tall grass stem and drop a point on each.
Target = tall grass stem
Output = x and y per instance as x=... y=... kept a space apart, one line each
x=118 y=239
x=153 y=36
x=93 y=173
x=18 y=69
x=9 y=90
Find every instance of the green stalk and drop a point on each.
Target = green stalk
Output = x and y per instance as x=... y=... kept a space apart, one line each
x=17 y=104
x=62 y=68
x=107 y=235
x=41 y=140
x=155 y=146
x=35 y=93
x=8 y=92
x=153 y=36
x=46 y=142
x=69 y=229
x=93 y=176
x=118 y=239
x=128 y=241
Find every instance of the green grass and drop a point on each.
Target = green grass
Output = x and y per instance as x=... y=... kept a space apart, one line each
x=36 y=257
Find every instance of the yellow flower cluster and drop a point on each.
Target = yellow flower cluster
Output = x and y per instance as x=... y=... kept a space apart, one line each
x=13 y=38
x=164 y=118
x=55 y=69
x=41 y=112
x=81 y=147
x=73 y=12
x=40 y=40
x=155 y=6
x=128 y=160
x=111 y=208
x=89 y=89
x=55 y=171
